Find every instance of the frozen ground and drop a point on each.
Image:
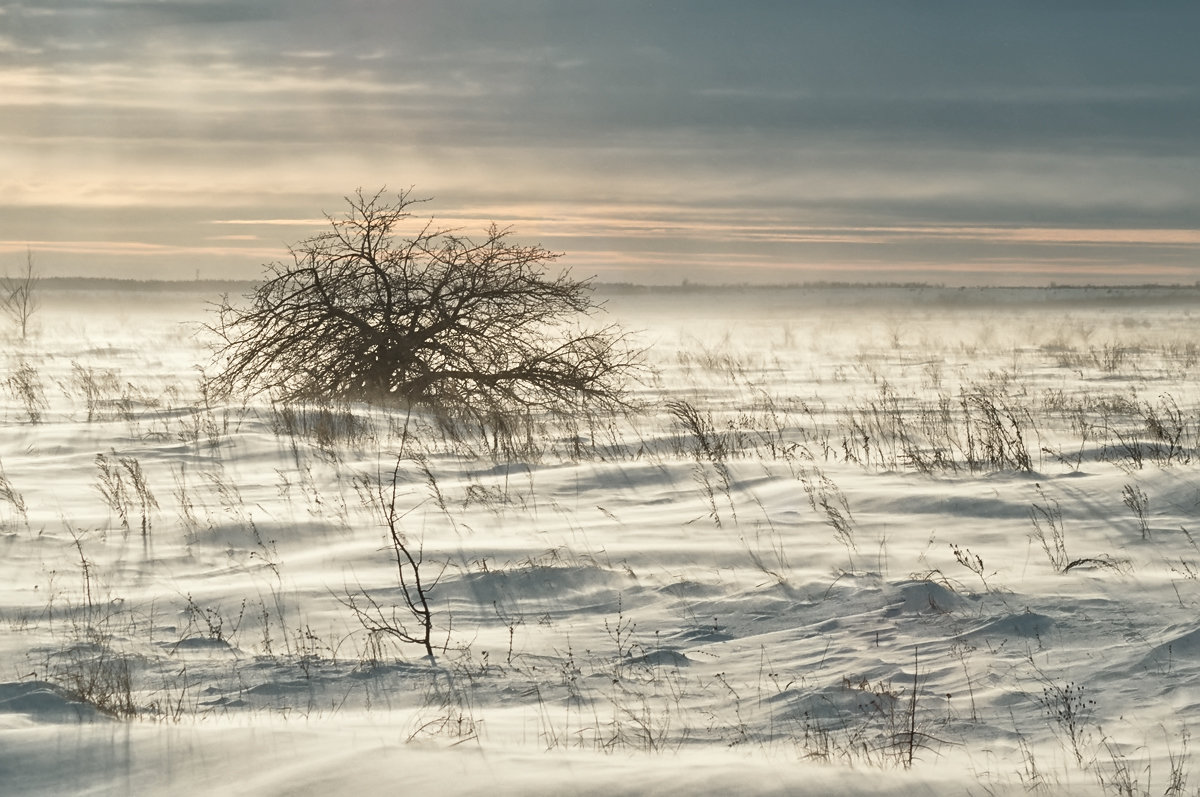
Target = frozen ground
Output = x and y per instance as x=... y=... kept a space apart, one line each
x=861 y=542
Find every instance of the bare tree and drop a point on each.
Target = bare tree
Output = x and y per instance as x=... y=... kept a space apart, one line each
x=439 y=320
x=18 y=295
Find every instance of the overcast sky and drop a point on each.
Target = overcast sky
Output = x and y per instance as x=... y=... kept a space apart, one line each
x=716 y=141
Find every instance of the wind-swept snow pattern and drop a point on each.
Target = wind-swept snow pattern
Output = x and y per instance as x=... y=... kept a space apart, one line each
x=868 y=541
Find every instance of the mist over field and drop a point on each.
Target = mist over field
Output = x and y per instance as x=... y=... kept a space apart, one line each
x=850 y=540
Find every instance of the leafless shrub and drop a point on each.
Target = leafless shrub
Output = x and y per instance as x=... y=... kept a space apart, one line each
x=90 y=668
x=889 y=729
x=327 y=425
x=1166 y=426
x=996 y=430
x=984 y=427
x=474 y=329
x=709 y=450
x=122 y=482
x=183 y=500
x=1135 y=498
x=25 y=384
x=1128 y=448
x=449 y=707
x=211 y=623
x=112 y=488
x=972 y=561
x=95 y=386
x=18 y=295
x=1110 y=357
x=828 y=500
x=146 y=500
x=92 y=671
x=1048 y=530
x=12 y=497
x=1177 y=785
x=701 y=436
x=1072 y=712
x=412 y=621
x=714 y=359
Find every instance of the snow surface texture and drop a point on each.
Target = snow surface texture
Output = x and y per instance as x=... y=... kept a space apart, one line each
x=860 y=542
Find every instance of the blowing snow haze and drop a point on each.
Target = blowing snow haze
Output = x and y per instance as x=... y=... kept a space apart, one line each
x=757 y=142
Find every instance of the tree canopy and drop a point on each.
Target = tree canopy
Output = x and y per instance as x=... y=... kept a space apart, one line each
x=433 y=319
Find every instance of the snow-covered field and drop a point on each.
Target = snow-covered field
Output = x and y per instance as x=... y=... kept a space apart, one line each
x=870 y=541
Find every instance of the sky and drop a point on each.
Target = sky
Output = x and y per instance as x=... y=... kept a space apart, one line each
x=762 y=141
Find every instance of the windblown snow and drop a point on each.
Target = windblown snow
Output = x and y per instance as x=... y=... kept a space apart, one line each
x=853 y=541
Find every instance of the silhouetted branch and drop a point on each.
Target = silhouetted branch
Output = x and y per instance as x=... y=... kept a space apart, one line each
x=463 y=326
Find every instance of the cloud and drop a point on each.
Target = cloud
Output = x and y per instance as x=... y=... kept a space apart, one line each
x=135 y=249
x=274 y=222
x=772 y=139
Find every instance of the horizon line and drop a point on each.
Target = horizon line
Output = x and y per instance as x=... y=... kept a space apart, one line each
x=687 y=284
